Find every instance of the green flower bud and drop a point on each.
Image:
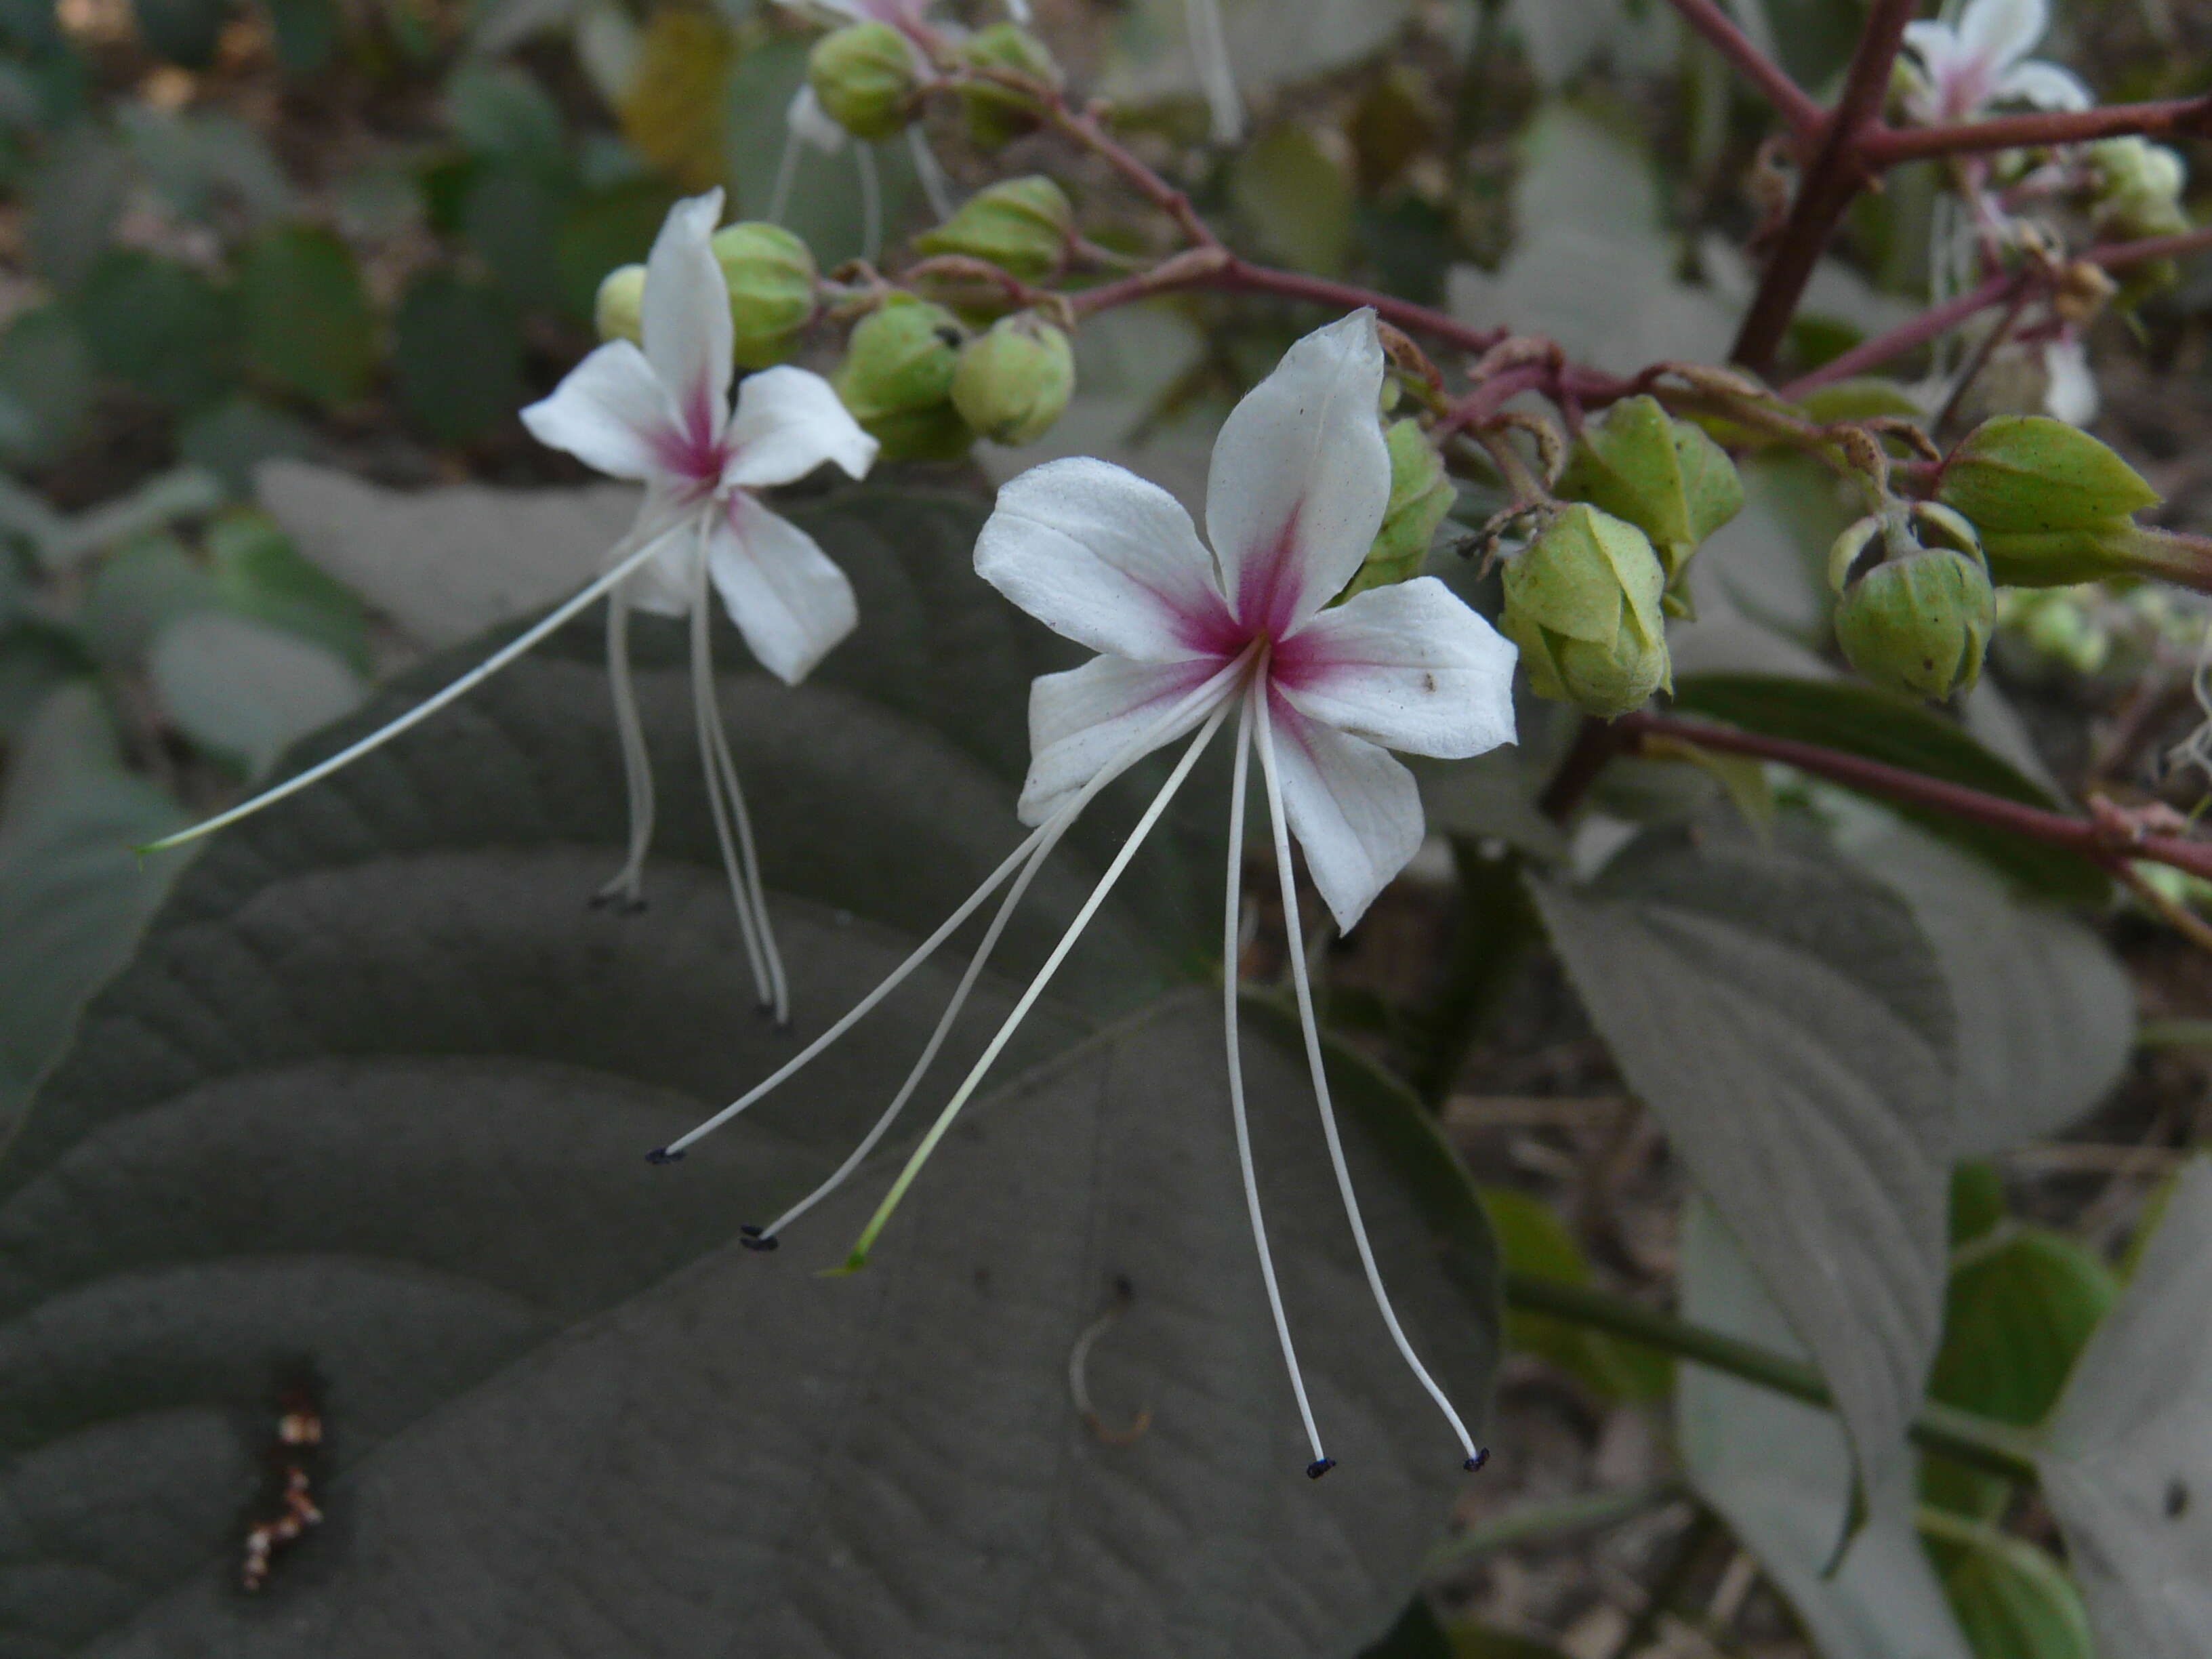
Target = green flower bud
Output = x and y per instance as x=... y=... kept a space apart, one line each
x=2059 y=626
x=896 y=379
x=1021 y=225
x=865 y=79
x=1421 y=495
x=620 y=307
x=2139 y=188
x=997 y=113
x=1015 y=382
x=1666 y=476
x=2052 y=504
x=1582 y=602
x=1917 y=607
x=770 y=274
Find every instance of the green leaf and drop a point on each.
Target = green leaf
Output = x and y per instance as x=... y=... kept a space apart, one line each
x=75 y=197
x=456 y=356
x=161 y=326
x=2046 y=1015
x=1781 y=1474
x=35 y=658
x=1785 y=1021
x=244 y=689
x=1296 y=196
x=509 y=217
x=46 y=374
x=373 y=1098
x=231 y=439
x=134 y=594
x=72 y=898
x=504 y=114
x=259 y=573
x=1532 y=1239
x=1978 y=1202
x=2019 y=1307
x=2128 y=1460
x=209 y=163
x=1862 y=720
x=308 y=326
x=2013 y=1601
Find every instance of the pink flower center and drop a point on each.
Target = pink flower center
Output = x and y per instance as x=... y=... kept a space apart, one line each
x=690 y=450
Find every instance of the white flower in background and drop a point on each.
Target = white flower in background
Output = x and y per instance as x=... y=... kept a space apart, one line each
x=1982 y=60
x=2069 y=384
x=661 y=416
x=1187 y=638
x=1217 y=76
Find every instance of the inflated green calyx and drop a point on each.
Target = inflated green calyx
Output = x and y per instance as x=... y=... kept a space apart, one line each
x=618 y=310
x=1421 y=493
x=1023 y=225
x=896 y=378
x=865 y=79
x=1667 y=477
x=997 y=113
x=769 y=273
x=2052 y=505
x=1582 y=602
x=1015 y=381
x=1916 y=605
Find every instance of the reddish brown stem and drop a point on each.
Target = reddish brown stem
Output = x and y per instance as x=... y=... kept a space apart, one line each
x=1086 y=129
x=2171 y=118
x=1795 y=106
x=1838 y=173
x=2091 y=838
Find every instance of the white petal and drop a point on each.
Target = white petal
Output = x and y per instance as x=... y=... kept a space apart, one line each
x=685 y=316
x=1300 y=477
x=1997 y=33
x=1019 y=10
x=1355 y=810
x=788 y=423
x=666 y=583
x=787 y=599
x=1936 y=45
x=1094 y=552
x=810 y=122
x=2046 y=86
x=1084 y=719
x=1409 y=666
x=2070 y=391
x=610 y=411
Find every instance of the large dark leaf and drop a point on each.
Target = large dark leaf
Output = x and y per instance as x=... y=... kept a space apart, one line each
x=371 y=1101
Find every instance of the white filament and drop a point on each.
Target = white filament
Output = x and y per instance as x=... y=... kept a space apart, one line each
x=925 y=168
x=1036 y=987
x=637 y=761
x=1170 y=726
x=779 y=997
x=1209 y=52
x=705 y=716
x=871 y=203
x=1312 y=1034
x=1232 y=950
x=787 y=171
x=630 y=554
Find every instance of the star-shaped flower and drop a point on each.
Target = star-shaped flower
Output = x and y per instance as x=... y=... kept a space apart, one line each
x=661 y=416
x=1983 y=61
x=1186 y=638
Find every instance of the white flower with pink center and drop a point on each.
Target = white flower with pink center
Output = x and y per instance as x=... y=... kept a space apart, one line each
x=1983 y=60
x=661 y=416
x=1187 y=638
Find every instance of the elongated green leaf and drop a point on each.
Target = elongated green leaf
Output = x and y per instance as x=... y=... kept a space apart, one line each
x=1780 y=1472
x=2129 y=1464
x=1862 y=720
x=308 y=322
x=2012 y=1599
x=2046 y=1012
x=1786 y=1022
x=372 y=1100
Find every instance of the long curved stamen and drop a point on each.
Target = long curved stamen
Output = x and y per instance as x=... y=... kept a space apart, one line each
x=703 y=716
x=1209 y=52
x=930 y=174
x=871 y=203
x=630 y=554
x=629 y=882
x=1475 y=1456
x=859 y=1258
x=1170 y=726
x=786 y=171
x=748 y=853
x=1231 y=951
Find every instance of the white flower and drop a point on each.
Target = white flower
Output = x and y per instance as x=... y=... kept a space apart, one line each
x=1983 y=61
x=2069 y=384
x=1186 y=638
x=661 y=416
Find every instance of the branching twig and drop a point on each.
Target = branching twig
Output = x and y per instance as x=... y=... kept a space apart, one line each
x=2172 y=118
x=1795 y=106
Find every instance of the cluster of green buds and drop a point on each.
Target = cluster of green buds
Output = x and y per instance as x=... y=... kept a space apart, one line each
x=2052 y=505
x=2060 y=623
x=1025 y=227
x=2138 y=189
x=770 y=277
x=2091 y=628
x=1583 y=601
x=1421 y=493
x=1666 y=476
x=867 y=79
x=896 y=378
x=1916 y=605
